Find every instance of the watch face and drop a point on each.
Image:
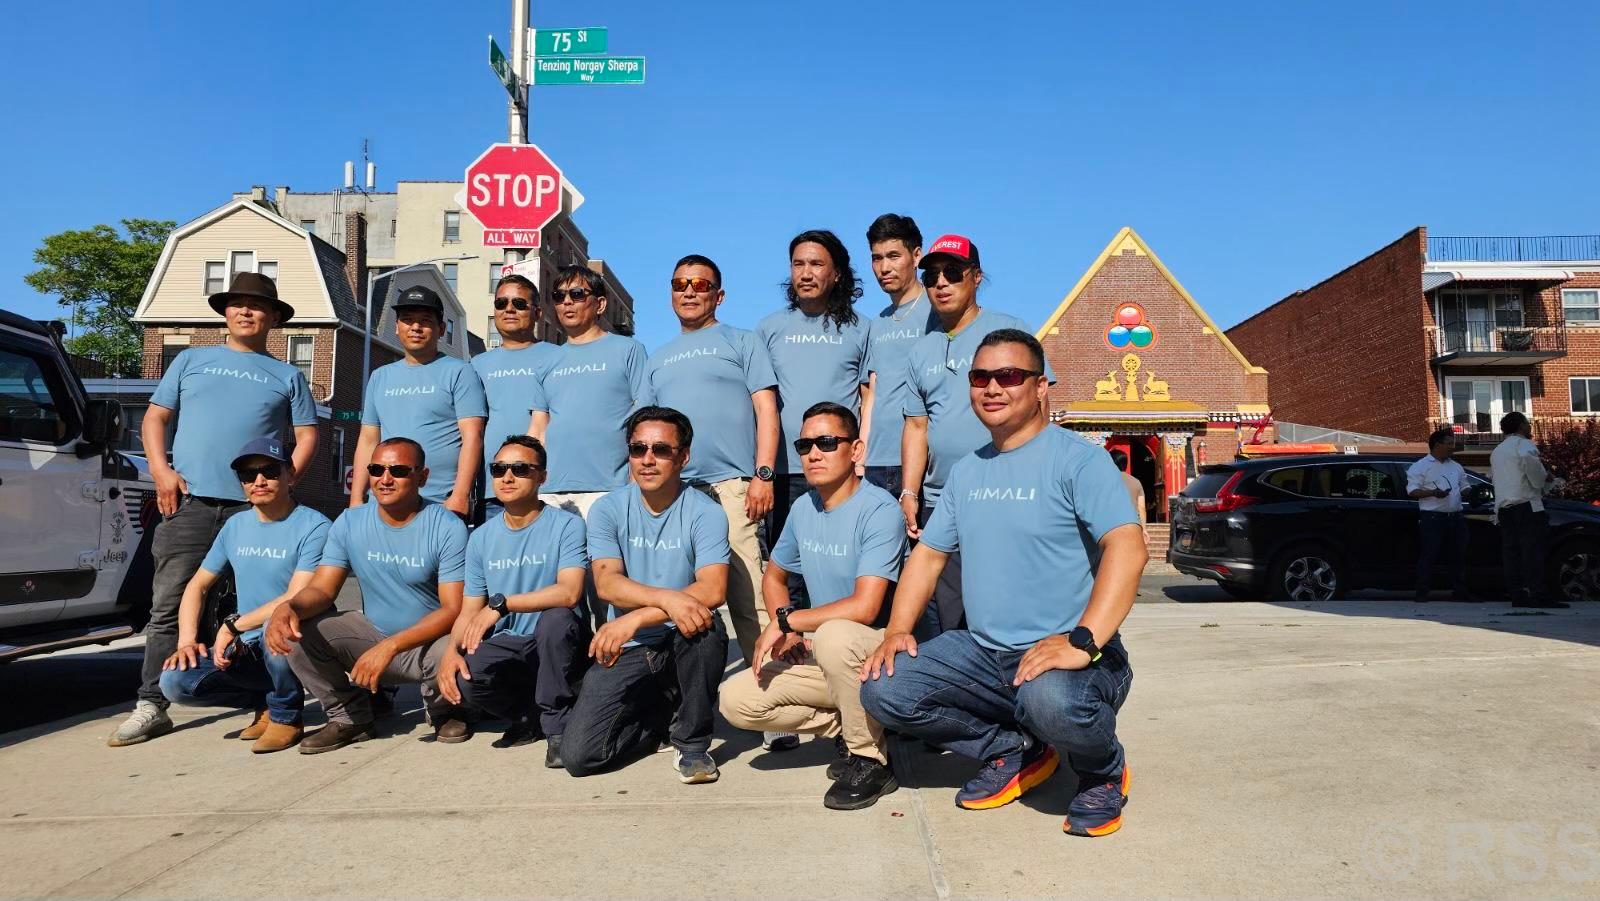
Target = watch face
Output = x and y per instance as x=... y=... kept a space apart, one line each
x=764 y=473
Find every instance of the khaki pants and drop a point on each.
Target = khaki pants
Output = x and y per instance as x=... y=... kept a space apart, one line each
x=745 y=607
x=821 y=696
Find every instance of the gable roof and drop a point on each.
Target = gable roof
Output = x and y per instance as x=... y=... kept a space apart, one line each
x=1128 y=239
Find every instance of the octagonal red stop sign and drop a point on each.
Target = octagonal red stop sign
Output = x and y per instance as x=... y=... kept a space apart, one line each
x=513 y=190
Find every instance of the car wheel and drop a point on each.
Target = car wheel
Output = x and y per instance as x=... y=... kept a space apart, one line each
x=1307 y=574
x=1575 y=571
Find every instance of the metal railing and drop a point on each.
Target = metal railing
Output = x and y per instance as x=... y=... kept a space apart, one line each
x=1489 y=337
x=1484 y=429
x=1544 y=248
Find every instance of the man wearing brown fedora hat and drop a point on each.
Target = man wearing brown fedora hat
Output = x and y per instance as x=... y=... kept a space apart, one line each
x=223 y=397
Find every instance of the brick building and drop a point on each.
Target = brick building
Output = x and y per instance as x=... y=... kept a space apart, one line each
x=1444 y=330
x=1140 y=366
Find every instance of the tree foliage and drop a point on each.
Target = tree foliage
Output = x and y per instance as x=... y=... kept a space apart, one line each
x=1574 y=455
x=99 y=274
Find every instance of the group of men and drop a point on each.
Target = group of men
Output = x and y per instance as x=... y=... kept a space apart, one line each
x=629 y=490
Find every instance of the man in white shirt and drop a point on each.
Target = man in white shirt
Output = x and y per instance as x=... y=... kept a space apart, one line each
x=1435 y=481
x=1519 y=480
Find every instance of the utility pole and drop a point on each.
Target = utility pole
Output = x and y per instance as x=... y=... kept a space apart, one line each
x=518 y=123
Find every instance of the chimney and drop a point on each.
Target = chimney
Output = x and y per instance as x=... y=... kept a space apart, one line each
x=355 y=255
x=258 y=193
x=280 y=196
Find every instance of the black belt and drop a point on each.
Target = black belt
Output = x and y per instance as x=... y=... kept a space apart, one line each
x=216 y=501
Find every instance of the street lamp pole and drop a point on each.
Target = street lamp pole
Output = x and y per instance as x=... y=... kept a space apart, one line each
x=372 y=277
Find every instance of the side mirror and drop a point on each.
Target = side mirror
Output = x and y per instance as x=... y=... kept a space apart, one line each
x=102 y=423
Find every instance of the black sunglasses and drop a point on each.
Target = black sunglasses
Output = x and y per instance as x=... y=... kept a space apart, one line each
x=954 y=273
x=398 y=470
x=248 y=474
x=578 y=294
x=637 y=449
x=516 y=303
x=1008 y=377
x=828 y=443
x=519 y=469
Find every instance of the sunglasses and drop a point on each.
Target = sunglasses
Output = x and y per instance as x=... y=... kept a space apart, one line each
x=519 y=469
x=700 y=285
x=515 y=303
x=637 y=449
x=248 y=474
x=1008 y=377
x=828 y=443
x=954 y=273
x=398 y=470
x=578 y=295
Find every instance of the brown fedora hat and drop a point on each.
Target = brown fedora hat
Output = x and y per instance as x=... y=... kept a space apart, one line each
x=251 y=284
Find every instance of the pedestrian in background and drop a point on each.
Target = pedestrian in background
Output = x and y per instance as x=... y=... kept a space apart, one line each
x=1134 y=486
x=1435 y=481
x=1519 y=480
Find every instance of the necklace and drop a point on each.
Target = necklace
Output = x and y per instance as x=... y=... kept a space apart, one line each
x=909 y=307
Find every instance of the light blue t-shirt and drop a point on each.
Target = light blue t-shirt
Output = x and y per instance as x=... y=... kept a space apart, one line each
x=708 y=376
x=1028 y=524
x=864 y=536
x=814 y=361
x=425 y=403
x=503 y=560
x=224 y=400
x=266 y=555
x=888 y=345
x=663 y=551
x=400 y=569
x=510 y=381
x=936 y=387
x=589 y=390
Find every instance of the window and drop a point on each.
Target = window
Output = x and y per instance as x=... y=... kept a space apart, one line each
x=452 y=227
x=493 y=336
x=216 y=277
x=449 y=331
x=241 y=261
x=1293 y=481
x=308 y=225
x=336 y=452
x=1581 y=307
x=269 y=268
x=1361 y=481
x=1470 y=319
x=394 y=227
x=1478 y=404
x=301 y=350
x=450 y=272
x=169 y=352
x=494 y=278
x=34 y=404
x=1585 y=394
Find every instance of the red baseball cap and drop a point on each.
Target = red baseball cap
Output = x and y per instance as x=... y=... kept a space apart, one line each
x=950 y=245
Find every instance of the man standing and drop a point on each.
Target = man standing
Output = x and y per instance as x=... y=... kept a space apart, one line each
x=896 y=246
x=1054 y=555
x=594 y=382
x=510 y=373
x=660 y=557
x=522 y=640
x=1519 y=482
x=941 y=426
x=847 y=539
x=273 y=555
x=1436 y=482
x=224 y=397
x=721 y=378
x=1134 y=487
x=429 y=397
x=409 y=554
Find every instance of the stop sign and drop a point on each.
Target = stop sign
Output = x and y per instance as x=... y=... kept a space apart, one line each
x=513 y=190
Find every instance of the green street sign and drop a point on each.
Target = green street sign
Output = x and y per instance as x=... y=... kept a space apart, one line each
x=502 y=68
x=588 y=70
x=346 y=415
x=569 y=41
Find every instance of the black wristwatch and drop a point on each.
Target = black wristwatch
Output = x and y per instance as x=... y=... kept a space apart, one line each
x=497 y=603
x=1082 y=639
x=764 y=473
x=232 y=622
x=783 y=619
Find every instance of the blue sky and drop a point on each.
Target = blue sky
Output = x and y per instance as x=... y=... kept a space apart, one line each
x=1258 y=147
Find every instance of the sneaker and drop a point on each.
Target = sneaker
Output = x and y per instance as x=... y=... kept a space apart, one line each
x=779 y=741
x=552 y=752
x=1005 y=779
x=694 y=767
x=1096 y=809
x=148 y=720
x=520 y=732
x=841 y=759
x=334 y=736
x=257 y=727
x=864 y=782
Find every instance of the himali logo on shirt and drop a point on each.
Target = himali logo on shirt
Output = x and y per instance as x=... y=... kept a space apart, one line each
x=903 y=334
x=814 y=339
x=503 y=373
x=410 y=390
x=691 y=354
x=824 y=549
x=663 y=544
x=236 y=374
x=514 y=562
x=953 y=367
x=1017 y=493
x=578 y=370
x=413 y=561
x=271 y=553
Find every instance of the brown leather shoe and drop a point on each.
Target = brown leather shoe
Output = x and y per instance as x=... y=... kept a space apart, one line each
x=334 y=736
x=254 y=730
x=277 y=737
x=452 y=732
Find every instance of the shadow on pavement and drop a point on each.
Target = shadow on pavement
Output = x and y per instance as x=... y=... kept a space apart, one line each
x=58 y=687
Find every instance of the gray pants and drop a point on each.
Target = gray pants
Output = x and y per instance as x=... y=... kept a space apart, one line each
x=330 y=644
x=179 y=546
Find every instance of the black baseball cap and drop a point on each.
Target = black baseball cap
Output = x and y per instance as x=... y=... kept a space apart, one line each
x=270 y=447
x=419 y=298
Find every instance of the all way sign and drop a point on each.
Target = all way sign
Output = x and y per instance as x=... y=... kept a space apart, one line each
x=588 y=70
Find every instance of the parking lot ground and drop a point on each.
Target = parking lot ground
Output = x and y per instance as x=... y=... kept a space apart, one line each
x=1362 y=749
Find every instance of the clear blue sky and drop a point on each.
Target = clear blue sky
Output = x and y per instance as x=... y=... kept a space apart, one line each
x=1258 y=147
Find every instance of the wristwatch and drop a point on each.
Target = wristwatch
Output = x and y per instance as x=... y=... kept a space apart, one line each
x=497 y=603
x=1082 y=639
x=232 y=622
x=764 y=473
x=783 y=619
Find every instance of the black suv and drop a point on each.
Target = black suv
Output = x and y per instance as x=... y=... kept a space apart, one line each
x=1311 y=528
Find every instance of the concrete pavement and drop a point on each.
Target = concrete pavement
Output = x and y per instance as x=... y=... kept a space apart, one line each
x=1369 y=749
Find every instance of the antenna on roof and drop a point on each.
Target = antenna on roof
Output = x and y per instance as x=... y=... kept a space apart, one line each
x=349 y=175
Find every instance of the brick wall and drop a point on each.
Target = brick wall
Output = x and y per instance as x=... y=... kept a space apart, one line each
x=1351 y=352
x=1548 y=385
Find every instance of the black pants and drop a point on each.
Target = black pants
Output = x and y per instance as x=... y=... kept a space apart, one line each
x=946 y=613
x=887 y=478
x=180 y=545
x=624 y=709
x=786 y=490
x=1438 y=532
x=515 y=675
x=1523 y=537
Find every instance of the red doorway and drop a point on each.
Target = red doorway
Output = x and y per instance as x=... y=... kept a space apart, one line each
x=1144 y=464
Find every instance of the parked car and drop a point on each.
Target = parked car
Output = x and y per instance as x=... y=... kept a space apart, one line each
x=1312 y=528
x=76 y=515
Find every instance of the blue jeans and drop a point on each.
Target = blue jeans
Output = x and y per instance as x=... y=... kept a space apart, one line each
x=887 y=478
x=263 y=679
x=957 y=694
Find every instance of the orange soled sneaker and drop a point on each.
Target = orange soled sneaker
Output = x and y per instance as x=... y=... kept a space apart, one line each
x=1005 y=779
x=1096 y=809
